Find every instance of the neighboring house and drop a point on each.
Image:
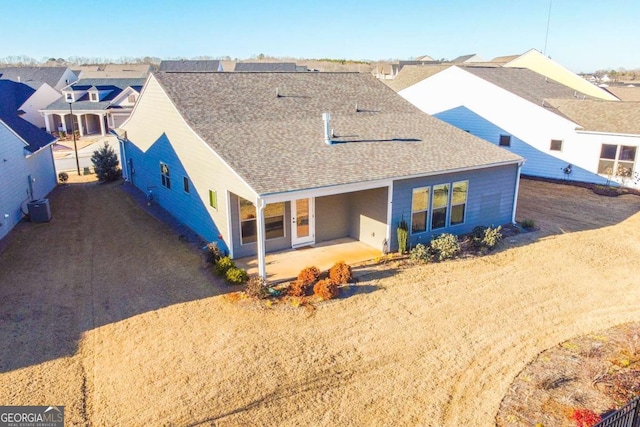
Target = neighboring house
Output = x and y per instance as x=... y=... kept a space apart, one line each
x=115 y=71
x=56 y=77
x=26 y=162
x=267 y=67
x=191 y=66
x=97 y=105
x=262 y=162
x=535 y=117
x=47 y=83
x=536 y=61
x=625 y=92
x=464 y=59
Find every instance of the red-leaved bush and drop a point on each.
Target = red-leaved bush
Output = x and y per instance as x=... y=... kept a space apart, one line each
x=585 y=417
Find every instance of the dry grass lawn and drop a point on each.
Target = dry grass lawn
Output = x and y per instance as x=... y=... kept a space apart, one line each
x=107 y=312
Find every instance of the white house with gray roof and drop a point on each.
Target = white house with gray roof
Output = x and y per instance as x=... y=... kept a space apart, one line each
x=261 y=162
x=96 y=105
x=562 y=134
x=27 y=171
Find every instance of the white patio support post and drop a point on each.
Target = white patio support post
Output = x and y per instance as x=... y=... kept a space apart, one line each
x=389 y=216
x=102 y=130
x=81 y=125
x=262 y=263
x=63 y=121
x=515 y=200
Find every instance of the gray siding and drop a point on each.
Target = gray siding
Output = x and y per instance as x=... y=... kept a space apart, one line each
x=368 y=217
x=332 y=217
x=490 y=201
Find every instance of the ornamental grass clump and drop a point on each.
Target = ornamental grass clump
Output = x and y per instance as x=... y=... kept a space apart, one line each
x=340 y=273
x=326 y=289
x=445 y=246
x=486 y=237
x=213 y=252
x=257 y=288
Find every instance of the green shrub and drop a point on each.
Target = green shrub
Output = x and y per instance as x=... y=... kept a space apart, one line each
x=445 y=246
x=421 y=253
x=223 y=265
x=257 y=288
x=528 y=224
x=403 y=236
x=491 y=237
x=236 y=276
x=477 y=234
x=106 y=163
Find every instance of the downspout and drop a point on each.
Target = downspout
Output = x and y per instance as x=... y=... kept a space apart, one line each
x=389 y=216
x=262 y=263
x=515 y=199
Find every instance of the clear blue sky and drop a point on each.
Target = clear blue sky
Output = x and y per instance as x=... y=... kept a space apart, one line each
x=584 y=35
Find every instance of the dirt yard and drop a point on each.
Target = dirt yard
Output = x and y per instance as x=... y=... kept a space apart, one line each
x=104 y=310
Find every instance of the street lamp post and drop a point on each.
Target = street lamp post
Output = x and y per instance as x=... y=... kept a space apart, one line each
x=73 y=132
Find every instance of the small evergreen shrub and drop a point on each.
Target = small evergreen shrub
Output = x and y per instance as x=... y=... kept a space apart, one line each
x=63 y=177
x=445 y=246
x=213 y=252
x=421 y=253
x=309 y=275
x=528 y=224
x=326 y=289
x=236 y=276
x=403 y=236
x=106 y=163
x=477 y=234
x=223 y=265
x=257 y=288
x=340 y=273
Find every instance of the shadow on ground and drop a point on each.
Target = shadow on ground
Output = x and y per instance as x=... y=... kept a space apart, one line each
x=101 y=259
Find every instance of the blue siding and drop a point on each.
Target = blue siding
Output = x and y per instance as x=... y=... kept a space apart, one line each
x=490 y=201
x=144 y=172
x=538 y=163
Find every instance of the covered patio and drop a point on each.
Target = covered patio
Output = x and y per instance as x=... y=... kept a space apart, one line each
x=286 y=264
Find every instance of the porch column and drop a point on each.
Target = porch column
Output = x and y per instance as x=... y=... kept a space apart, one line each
x=102 y=130
x=47 y=125
x=515 y=197
x=262 y=263
x=80 y=128
x=63 y=121
x=389 y=216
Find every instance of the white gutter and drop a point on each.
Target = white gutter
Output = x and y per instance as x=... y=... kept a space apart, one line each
x=261 y=243
x=515 y=197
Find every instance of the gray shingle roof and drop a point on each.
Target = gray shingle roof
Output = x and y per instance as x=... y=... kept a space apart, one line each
x=601 y=116
x=412 y=74
x=277 y=143
x=12 y=95
x=116 y=86
x=49 y=75
x=187 y=66
x=261 y=67
x=525 y=83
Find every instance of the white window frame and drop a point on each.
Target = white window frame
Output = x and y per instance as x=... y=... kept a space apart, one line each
x=452 y=205
x=284 y=227
x=165 y=175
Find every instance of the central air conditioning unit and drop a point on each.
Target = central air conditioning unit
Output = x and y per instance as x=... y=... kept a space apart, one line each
x=39 y=210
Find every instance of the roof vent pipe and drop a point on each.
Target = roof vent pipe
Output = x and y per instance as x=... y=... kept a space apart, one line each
x=326 y=117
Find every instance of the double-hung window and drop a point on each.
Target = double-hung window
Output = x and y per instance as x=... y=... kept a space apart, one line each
x=165 y=175
x=459 y=202
x=440 y=204
x=420 y=209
